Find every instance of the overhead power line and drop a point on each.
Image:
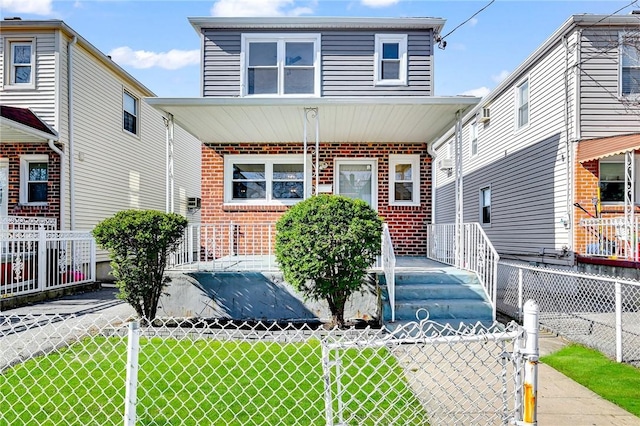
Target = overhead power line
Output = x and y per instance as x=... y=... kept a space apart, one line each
x=440 y=40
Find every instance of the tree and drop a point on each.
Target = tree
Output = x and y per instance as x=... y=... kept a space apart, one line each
x=139 y=242
x=325 y=245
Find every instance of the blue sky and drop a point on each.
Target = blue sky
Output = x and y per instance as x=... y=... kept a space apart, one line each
x=154 y=42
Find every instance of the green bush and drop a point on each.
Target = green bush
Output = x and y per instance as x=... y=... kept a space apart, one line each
x=325 y=245
x=139 y=242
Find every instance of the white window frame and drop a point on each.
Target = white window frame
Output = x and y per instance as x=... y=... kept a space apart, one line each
x=635 y=44
x=482 y=206
x=268 y=161
x=25 y=160
x=10 y=68
x=373 y=162
x=380 y=39
x=414 y=161
x=136 y=99
x=520 y=105
x=281 y=39
x=473 y=136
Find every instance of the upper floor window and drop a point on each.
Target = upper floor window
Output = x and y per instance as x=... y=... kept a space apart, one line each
x=404 y=180
x=485 y=206
x=391 y=59
x=630 y=65
x=130 y=113
x=281 y=64
x=522 y=104
x=474 y=138
x=21 y=61
x=34 y=179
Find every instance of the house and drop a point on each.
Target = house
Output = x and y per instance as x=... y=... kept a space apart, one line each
x=78 y=141
x=297 y=106
x=542 y=158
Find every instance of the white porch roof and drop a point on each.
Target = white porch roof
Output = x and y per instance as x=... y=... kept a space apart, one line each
x=350 y=119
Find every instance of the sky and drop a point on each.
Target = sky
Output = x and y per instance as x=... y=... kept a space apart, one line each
x=154 y=42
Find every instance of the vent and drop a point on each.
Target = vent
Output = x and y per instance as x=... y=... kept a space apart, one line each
x=485 y=115
x=445 y=164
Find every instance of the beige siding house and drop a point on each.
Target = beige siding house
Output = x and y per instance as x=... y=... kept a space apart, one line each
x=107 y=150
x=526 y=176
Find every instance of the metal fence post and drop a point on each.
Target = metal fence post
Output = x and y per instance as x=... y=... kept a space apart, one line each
x=618 y=322
x=133 y=348
x=531 y=355
x=520 y=294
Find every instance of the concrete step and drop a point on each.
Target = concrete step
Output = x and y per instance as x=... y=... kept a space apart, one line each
x=436 y=291
x=439 y=309
x=431 y=277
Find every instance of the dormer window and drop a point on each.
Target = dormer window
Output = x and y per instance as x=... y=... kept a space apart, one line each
x=391 y=59
x=281 y=65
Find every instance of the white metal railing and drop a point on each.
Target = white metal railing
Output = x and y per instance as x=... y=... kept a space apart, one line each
x=34 y=261
x=388 y=267
x=226 y=246
x=611 y=238
x=477 y=254
x=24 y=223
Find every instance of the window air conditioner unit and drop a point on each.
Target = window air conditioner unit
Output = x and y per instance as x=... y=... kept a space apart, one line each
x=194 y=203
x=485 y=115
x=445 y=164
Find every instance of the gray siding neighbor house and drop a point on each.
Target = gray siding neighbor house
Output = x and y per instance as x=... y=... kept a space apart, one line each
x=549 y=158
x=292 y=107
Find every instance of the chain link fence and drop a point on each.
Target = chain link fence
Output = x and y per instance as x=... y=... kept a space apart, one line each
x=96 y=370
x=597 y=311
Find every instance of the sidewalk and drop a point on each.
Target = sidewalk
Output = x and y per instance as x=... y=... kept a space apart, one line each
x=561 y=401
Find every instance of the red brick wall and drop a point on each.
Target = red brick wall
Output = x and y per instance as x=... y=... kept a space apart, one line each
x=406 y=223
x=13 y=151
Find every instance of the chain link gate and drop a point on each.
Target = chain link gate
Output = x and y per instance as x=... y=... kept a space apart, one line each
x=95 y=370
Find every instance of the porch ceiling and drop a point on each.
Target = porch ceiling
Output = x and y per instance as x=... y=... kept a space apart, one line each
x=264 y=120
x=594 y=149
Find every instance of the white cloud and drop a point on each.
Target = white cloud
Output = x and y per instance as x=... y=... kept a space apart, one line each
x=379 y=3
x=480 y=92
x=258 y=8
x=36 y=7
x=473 y=21
x=501 y=76
x=170 y=60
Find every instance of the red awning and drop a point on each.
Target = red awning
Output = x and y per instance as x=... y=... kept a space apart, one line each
x=594 y=149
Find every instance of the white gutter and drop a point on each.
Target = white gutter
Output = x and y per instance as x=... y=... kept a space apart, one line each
x=72 y=183
x=63 y=199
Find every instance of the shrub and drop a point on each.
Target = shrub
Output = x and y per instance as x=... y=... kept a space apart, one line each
x=325 y=245
x=139 y=242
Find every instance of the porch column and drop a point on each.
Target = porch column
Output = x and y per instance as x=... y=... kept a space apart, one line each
x=459 y=234
x=629 y=205
x=169 y=202
x=312 y=114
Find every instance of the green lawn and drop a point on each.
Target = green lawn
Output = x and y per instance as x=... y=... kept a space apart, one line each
x=615 y=382
x=204 y=382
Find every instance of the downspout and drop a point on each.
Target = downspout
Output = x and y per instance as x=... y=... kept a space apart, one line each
x=58 y=151
x=72 y=183
x=166 y=165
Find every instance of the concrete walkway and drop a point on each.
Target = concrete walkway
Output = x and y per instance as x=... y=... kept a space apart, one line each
x=561 y=401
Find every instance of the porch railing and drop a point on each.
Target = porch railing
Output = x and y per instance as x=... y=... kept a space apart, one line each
x=477 y=254
x=388 y=267
x=25 y=223
x=38 y=260
x=611 y=238
x=226 y=246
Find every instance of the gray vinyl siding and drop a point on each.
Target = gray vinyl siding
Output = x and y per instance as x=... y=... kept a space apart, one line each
x=42 y=99
x=347 y=63
x=603 y=111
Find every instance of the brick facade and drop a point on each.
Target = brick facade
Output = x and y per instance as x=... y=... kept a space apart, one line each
x=406 y=223
x=13 y=151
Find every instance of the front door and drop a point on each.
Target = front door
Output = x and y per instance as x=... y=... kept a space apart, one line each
x=4 y=187
x=357 y=178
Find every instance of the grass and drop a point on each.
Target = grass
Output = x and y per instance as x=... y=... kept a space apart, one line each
x=615 y=382
x=204 y=382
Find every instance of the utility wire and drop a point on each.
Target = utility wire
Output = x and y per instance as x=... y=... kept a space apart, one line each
x=470 y=18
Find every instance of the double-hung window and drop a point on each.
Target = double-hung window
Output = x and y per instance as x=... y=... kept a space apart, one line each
x=281 y=64
x=522 y=104
x=264 y=179
x=130 y=113
x=21 y=63
x=390 y=65
x=612 y=179
x=630 y=65
x=404 y=180
x=485 y=205
x=474 y=138
x=34 y=179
